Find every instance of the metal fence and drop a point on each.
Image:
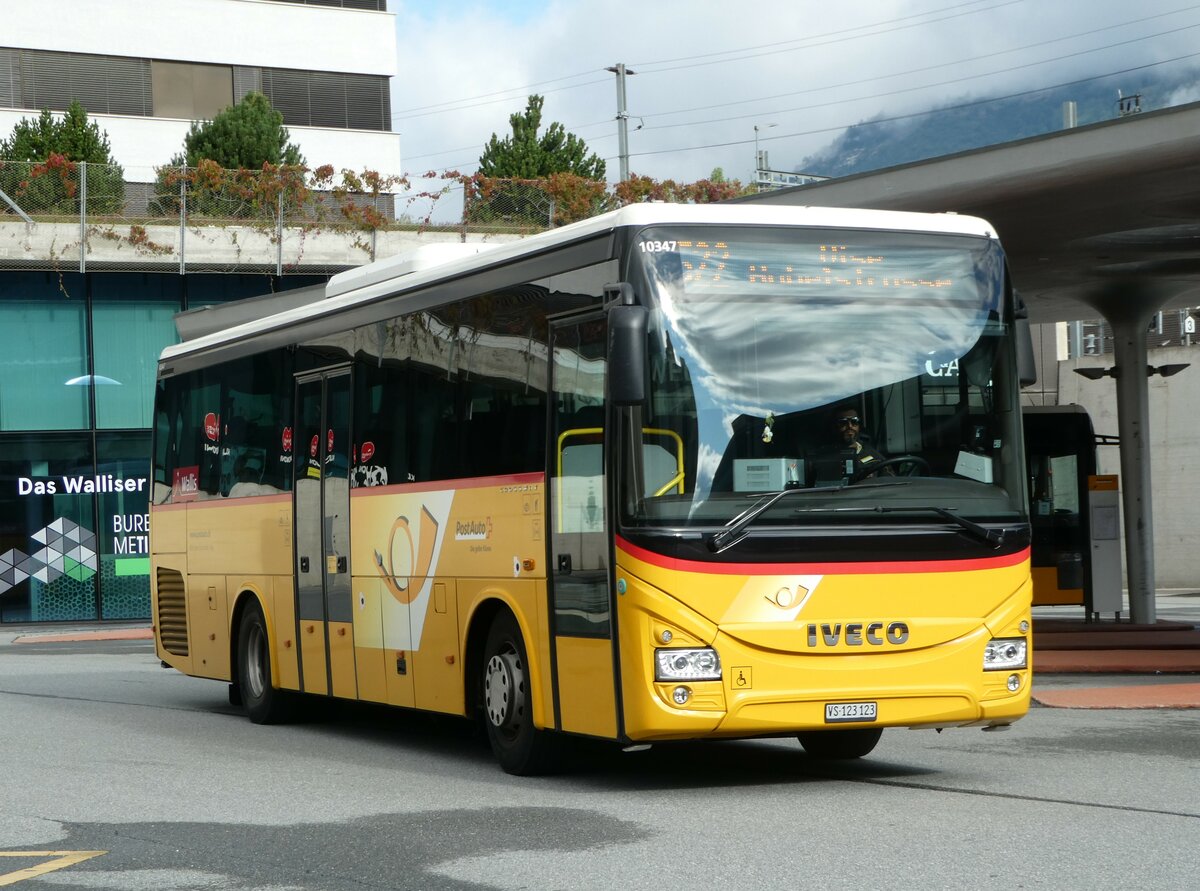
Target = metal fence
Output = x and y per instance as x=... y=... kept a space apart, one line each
x=80 y=217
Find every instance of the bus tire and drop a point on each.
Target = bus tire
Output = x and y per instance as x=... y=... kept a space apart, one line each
x=506 y=703
x=263 y=702
x=840 y=745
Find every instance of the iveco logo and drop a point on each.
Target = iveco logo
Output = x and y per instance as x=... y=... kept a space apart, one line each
x=856 y=634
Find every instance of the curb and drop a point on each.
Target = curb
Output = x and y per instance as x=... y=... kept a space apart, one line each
x=1136 y=696
x=1164 y=661
x=68 y=636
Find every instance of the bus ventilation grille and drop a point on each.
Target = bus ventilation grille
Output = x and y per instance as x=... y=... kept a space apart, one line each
x=172 y=612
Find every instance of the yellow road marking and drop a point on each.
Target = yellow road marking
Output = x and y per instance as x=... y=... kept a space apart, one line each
x=62 y=859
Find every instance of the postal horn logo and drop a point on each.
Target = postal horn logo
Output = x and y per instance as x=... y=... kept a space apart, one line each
x=419 y=553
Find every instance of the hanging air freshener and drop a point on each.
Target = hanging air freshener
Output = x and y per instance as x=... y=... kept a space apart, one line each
x=768 y=434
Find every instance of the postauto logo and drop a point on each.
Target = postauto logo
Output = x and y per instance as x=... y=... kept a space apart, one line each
x=212 y=426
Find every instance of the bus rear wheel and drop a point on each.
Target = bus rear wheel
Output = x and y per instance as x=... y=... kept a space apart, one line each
x=840 y=745
x=264 y=703
x=507 y=704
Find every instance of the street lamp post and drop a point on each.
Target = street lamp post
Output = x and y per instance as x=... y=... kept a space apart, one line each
x=622 y=117
x=760 y=162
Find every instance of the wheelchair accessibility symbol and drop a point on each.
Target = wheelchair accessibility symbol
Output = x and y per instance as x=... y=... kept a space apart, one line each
x=740 y=677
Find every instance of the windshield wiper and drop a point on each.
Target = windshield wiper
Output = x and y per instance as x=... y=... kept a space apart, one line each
x=993 y=537
x=735 y=529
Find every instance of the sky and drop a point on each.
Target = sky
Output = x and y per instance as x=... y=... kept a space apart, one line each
x=716 y=77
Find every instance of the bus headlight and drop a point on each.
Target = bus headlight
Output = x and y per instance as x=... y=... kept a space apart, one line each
x=1005 y=653
x=687 y=665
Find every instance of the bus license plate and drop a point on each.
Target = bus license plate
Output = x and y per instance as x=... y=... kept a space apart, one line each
x=846 y=712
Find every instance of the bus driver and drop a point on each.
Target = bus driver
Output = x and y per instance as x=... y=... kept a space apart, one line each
x=847 y=430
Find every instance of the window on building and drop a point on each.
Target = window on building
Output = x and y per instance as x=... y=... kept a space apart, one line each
x=133 y=319
x=102 y=84
x=49 y=553
x=329 y=99
x=378 y=5
x=123 y=517
x=44 y=380
x=189 y=91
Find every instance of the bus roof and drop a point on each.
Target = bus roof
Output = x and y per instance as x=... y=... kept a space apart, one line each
x=410 y=271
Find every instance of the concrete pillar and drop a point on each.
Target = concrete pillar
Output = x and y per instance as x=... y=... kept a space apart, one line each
x=1133 y=428
x=1128 y=307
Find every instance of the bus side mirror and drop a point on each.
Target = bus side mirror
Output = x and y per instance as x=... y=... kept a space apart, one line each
x=627 y=352
x=1026 y=366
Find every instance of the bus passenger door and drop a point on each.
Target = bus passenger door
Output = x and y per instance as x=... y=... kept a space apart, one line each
x=581 y=617
x=322 y=515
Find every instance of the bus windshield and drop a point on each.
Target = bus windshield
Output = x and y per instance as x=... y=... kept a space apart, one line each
x=823 y=360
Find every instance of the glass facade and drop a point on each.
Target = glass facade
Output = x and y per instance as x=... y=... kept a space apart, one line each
x=78 y=358
x=43 y=352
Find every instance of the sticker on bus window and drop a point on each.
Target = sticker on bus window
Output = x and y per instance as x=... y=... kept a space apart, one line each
x=185 y=484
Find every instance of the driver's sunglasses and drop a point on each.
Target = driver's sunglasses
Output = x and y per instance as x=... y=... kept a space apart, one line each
x=843 y=422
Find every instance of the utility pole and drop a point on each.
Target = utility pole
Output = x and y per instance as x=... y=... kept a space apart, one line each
x=622 y=116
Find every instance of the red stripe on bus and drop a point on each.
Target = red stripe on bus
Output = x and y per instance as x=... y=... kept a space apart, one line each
x=864 y=568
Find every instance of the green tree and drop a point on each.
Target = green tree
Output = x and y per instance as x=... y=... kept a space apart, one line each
x=237 y=164
x=512 y=186
x=39 y=164
x=527 y=155
x=245 y=135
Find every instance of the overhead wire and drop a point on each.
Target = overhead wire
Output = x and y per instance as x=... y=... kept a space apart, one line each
x=918 y=114
x=960 y=61
x=816 y=41
x=780 y=43
x=918 y=88
x=504 y=95
x=610 y=122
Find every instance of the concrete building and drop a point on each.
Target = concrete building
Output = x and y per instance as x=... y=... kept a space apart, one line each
x=79 y=338
x=145 y=71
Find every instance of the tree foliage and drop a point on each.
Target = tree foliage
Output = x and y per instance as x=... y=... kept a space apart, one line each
x=246 y=135
x=526 y=154
x=39 y=164
x=240 y=164
x=702 y=191
x=73 y=136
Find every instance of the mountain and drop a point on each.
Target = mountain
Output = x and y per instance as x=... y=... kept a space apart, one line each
x=974 y=123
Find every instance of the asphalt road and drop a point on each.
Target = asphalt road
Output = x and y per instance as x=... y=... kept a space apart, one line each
x=105 y=751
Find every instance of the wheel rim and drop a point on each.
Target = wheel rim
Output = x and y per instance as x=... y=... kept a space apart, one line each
x=255 y=660
x=504 y=691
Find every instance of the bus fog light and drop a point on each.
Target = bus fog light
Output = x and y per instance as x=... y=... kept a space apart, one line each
x=681 y=695
x=1005 y=654
x=1014 y=683
x=680 y=664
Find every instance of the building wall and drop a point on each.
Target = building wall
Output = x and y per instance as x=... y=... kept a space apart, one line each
x=1174 y=452
x=247 y=42
x=140 y=144
x=78 y=349
x=221 y=32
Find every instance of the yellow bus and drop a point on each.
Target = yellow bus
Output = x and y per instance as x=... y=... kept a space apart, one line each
x=600 y=482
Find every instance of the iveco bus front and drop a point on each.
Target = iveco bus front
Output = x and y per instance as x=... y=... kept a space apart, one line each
x=768 y=579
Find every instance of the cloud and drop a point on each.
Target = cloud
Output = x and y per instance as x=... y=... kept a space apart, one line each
x=708 y=72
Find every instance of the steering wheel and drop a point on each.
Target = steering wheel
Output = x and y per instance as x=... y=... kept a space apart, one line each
x=919 y=467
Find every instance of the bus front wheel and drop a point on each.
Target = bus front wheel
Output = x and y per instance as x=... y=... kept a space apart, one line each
x=840 y=745
x=264 y=703
x=507 y=705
